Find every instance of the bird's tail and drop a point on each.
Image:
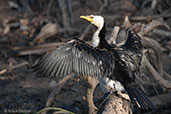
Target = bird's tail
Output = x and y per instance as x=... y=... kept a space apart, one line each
x=140 y=100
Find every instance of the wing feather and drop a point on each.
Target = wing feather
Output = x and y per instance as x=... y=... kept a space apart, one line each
x=59 y=68
x=75 y=57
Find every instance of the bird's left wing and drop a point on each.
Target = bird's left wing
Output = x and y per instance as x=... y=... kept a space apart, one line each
x=76 y=57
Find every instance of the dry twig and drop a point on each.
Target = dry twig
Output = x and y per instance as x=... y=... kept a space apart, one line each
x=37 y=49
x=14 y=67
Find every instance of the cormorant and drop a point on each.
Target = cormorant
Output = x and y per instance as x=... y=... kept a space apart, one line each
x=128 y=58
x=115 y=67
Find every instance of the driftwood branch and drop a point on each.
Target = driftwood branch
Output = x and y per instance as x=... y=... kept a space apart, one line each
x=49 y=30
x=93 y=83
x=14 y=67
x=117 y=105
x=39 y=49
x=165 y=83
x=162 y=32
x=36 y=49
x=161 y=100
x=8 y=77
x=149 y=43
x=114 y=35
x=127 y=23
x=152 y=25
x=155 y=46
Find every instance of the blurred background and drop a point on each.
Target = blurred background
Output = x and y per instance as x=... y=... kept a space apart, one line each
x=31 y=28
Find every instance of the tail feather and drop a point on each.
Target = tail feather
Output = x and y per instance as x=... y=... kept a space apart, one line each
x=140 y=100
x=149 y=104
x=137 y=99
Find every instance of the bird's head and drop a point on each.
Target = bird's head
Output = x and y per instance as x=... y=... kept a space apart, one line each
x=97 y=20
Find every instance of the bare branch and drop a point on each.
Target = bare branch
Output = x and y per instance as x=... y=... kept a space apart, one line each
x=152 y=25
x=47 y=31
x=14 y=67
x=114 y=35
x=165 y=83
x=37 y=49
x=161 y=100
x=117 y=105
x=155 y=46
x=127 y=23
x=162 y=32
x=93 y=83
x=154 y=3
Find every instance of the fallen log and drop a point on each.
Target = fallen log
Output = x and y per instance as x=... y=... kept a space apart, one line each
x=117 y=105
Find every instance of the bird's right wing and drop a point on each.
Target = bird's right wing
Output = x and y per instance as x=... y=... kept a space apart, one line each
x=75 y=57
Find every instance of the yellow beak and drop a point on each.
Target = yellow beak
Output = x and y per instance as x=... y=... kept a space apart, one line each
x=87 y=18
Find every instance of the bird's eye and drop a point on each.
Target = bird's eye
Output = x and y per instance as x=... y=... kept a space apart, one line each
x=91 y=17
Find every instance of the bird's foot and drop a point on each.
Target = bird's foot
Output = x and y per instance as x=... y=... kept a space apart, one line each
x=123 y=95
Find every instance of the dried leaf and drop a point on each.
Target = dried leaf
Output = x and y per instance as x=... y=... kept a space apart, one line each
x=47 y=31
x=6 y=30
x=24 y=21
x=33 y=30
x=25 y=33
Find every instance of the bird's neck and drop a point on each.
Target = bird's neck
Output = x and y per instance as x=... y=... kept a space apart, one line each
x=99 y=37
x=96 y=38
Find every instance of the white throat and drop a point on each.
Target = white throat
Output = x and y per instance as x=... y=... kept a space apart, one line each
x=96 y=38
x=98 y=21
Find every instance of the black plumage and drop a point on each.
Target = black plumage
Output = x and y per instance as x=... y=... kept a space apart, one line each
x=103 y=43
x=119 y=64
x=128 y=61
x=76 y=57
x=129 y=57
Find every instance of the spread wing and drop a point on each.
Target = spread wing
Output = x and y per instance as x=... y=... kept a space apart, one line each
x=76 y=57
